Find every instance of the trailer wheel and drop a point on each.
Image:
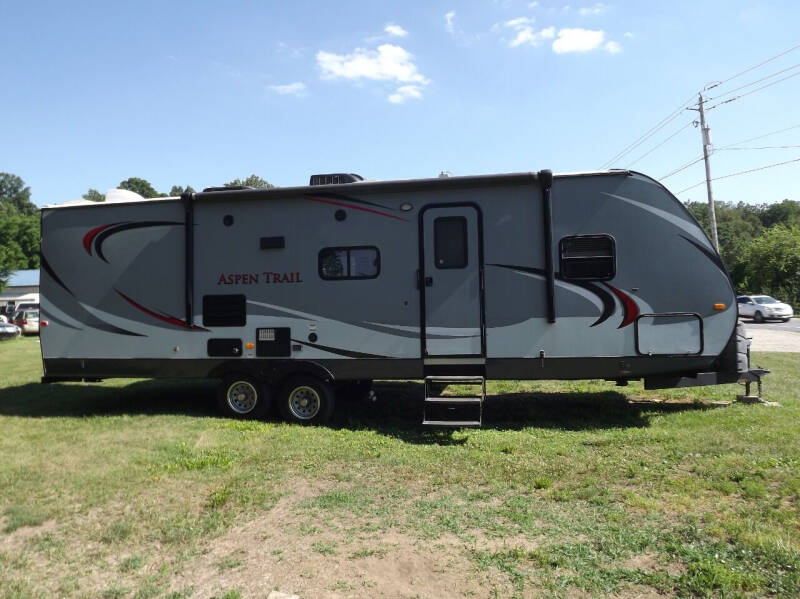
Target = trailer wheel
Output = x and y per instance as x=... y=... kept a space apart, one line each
x=306 y=400
x=241 y=396
x=758 y=316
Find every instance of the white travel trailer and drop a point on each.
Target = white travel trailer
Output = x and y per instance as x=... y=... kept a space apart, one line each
x=286 y=294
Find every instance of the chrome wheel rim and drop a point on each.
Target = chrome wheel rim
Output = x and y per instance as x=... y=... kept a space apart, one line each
x=242 y=397
x=304 y=403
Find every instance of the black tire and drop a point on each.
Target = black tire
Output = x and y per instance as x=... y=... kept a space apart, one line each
x=785 y=319
x=242 y=397
x=305 y=399
x=758 y=316
x=354 y=391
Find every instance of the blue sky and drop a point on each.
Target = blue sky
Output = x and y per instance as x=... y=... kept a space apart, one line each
x=200 y=93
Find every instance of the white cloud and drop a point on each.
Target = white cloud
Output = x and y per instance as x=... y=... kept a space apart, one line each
x=519 y=22
x=525 y=33
x=628 y=34
x=597 y=9
x=448 y=22
x=290 y=89
x=533 y=4
x=613 y=47
x=387 y=63
x=405 y=92
x=578 y=40
x=395 y=30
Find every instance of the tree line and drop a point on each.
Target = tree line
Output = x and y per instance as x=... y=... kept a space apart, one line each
x=759 y=243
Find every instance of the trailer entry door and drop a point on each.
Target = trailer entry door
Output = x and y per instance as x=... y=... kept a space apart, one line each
x=451 y=281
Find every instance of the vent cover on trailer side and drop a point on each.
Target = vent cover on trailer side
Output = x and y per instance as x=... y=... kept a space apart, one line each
x=224 y=310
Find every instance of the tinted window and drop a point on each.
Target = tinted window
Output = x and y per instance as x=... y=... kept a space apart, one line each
x=588 y=257
x=359 y=262
x=450 y=242
x=743 y=300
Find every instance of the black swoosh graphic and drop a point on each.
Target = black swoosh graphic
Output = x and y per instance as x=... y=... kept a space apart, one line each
x=709 y=254
x=335 y=350
x=98 y=241
x=49 y=270
x=605 y=297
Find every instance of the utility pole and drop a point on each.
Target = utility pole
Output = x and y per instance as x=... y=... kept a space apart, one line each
x=706 y=133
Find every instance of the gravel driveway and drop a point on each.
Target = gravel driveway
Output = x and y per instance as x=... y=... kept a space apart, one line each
x=774 y=336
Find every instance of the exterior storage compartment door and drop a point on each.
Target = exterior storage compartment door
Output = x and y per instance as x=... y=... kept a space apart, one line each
x=669 y=334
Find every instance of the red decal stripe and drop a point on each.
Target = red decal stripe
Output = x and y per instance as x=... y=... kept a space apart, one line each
x=163 y=317
x=631 y=309
x=89 y=237
x=343 y=205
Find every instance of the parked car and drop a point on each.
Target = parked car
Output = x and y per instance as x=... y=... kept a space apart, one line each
x=28 y=321
x=9 y=331
x=763 y=307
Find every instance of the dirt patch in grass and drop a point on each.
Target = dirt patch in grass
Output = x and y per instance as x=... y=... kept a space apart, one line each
x=273 y=553
x=652 y=562
x=17 y=539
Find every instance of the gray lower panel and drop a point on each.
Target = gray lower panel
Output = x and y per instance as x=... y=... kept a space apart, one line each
x=397 y=369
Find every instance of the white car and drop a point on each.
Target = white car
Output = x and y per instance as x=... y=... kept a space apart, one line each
x=763 y=307
x=9 y=331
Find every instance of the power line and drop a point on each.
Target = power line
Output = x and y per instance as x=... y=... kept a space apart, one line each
x=770 y=76
x=752 y=170
x=654 y=148
x=760 y=148
x=649 y=133
x=681 y=168
x=752 y=91
x=753 y=68
x=748 y=140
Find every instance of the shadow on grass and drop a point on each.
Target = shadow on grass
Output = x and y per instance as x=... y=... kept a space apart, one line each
x=35 y=400
x=398 y=411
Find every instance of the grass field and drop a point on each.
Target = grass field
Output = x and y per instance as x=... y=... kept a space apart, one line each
x=138 y=489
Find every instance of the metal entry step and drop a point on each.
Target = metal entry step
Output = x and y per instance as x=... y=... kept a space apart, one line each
x=453 y=411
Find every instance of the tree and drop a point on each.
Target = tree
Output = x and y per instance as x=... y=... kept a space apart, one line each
x=15 y=197
x=772 y=264
x=4 y=271
x=786 y=212
x=140 y=186
x=19 y=241
x=251 y=181
x=94 y=196
x=177 y=190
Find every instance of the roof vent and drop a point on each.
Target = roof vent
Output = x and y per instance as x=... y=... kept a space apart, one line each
x=335 y=179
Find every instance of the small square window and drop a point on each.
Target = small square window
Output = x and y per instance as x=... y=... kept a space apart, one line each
x=588 y=257
x=450 y=242
x=360 y=262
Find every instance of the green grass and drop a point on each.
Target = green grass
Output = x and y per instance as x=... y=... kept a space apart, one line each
x=125 y=488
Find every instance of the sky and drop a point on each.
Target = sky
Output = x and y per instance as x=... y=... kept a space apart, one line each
x=200 y=93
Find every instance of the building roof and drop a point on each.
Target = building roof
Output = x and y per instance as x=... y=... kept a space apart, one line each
x=23 y=278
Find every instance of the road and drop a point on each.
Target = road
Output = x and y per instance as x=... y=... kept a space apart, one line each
x=774 y=325
x=774 y=336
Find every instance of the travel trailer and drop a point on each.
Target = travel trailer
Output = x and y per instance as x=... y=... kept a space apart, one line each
x=290 y=295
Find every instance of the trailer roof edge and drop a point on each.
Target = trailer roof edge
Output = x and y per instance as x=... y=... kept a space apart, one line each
x=393 y=186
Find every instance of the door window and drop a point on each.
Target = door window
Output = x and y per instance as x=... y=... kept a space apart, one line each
x=450 y=242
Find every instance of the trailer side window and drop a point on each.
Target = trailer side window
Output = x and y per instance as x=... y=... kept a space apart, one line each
x=450 y=242
x=588 y=257
x=357 y=262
